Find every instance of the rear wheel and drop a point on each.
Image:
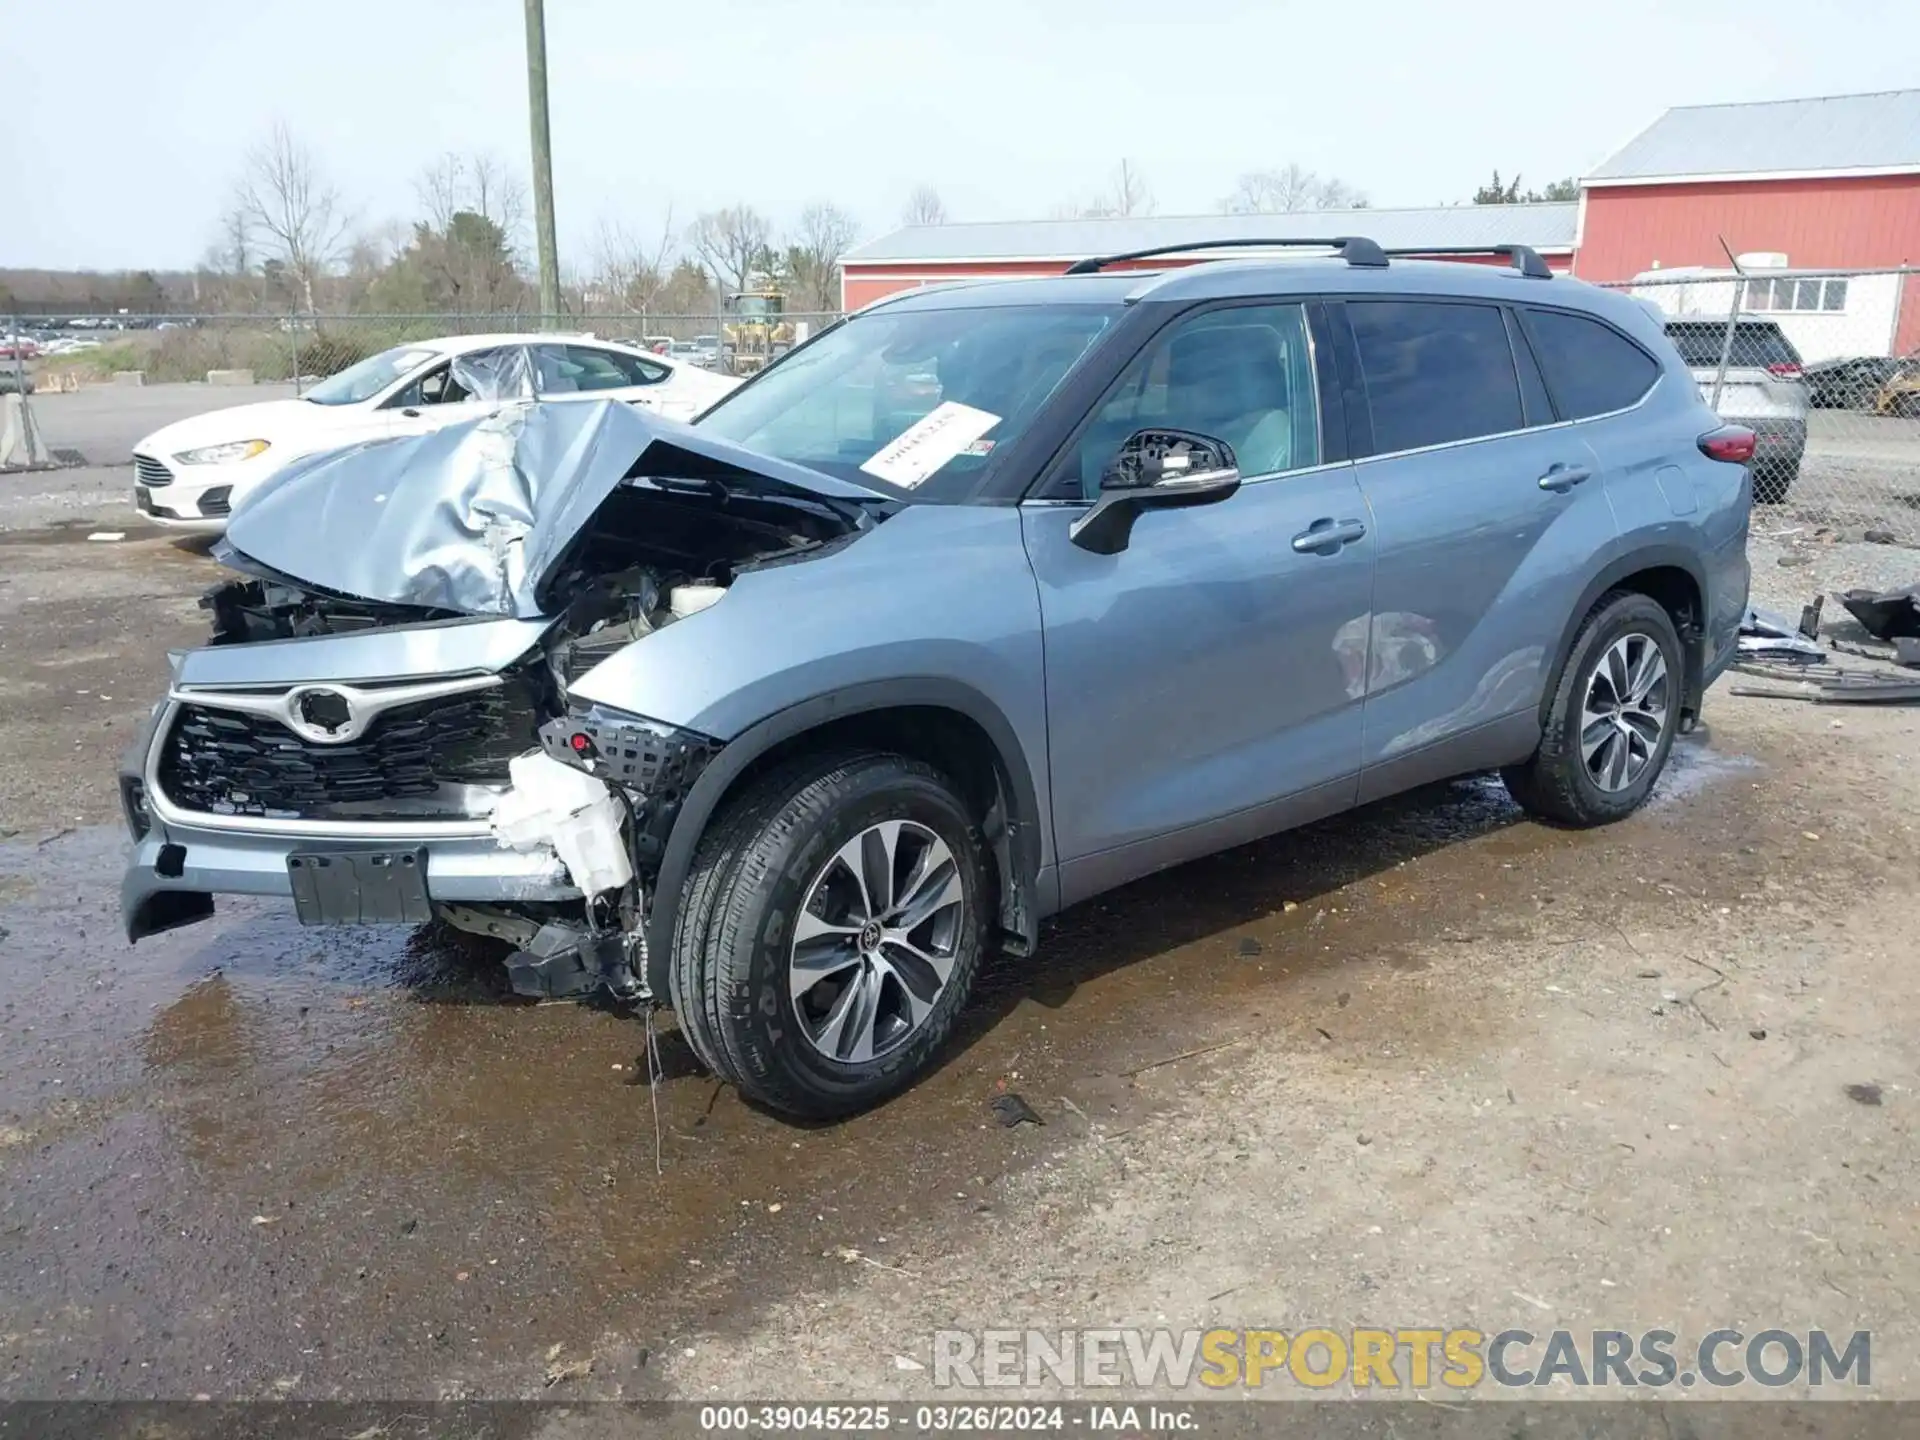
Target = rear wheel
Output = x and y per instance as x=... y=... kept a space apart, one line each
x=834 y=919
x=1613 y=717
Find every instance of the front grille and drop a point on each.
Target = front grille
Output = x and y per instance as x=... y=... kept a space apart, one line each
x=217 y=501
x=412 y=762
x=150 y=472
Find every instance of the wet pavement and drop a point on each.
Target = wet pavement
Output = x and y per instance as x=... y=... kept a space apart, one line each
x=248 y=1158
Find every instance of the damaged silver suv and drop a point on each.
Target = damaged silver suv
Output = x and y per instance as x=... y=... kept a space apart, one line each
x=986 y=600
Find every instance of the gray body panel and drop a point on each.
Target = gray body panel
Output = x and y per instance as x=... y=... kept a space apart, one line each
x=937 y=591
x=1205 y=671
x=405 y=652
x=1477 y=567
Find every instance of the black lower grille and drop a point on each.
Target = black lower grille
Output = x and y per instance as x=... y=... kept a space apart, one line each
x=150 y=472
x=410 y=763
x=217 y=501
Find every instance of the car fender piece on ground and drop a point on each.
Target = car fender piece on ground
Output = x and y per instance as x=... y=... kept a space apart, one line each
x=1885 y=614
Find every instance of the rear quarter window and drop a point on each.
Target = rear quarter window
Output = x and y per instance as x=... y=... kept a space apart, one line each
x=1590 y=368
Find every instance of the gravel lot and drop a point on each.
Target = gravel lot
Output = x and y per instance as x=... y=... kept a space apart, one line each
x=1427 y=1064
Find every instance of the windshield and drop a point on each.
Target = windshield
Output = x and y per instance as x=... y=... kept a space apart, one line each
x=370 y=376
x=918 y=399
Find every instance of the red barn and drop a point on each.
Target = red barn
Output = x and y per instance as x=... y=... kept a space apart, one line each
x=1815 y=185
x=1831 y=184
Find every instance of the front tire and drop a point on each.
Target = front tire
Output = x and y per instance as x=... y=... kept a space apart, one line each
x=1612 y=720
x=835 y=916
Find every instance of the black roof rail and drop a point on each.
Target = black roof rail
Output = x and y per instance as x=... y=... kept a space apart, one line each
x=1354 y=249
x=1523 y=258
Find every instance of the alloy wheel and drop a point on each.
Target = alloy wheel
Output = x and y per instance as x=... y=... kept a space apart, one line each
x=1625 y=711
x=875 y=940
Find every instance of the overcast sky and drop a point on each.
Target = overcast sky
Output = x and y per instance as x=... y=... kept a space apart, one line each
x=128 y=119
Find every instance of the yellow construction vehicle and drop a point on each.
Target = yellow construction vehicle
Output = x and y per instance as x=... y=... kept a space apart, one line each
x=757 y=335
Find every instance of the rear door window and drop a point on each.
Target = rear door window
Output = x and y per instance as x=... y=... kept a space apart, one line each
x=1591 y=368
x=1435 y=372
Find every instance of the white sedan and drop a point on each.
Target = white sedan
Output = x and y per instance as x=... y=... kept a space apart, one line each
x=189 y=475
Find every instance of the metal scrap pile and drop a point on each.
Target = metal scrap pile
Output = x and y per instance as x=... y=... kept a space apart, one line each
x=1776 y=648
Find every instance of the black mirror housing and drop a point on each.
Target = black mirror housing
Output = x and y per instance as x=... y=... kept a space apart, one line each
x=1150 y=457
x=1155 y=470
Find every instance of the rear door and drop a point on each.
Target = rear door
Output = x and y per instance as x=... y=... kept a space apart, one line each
x=1203 y=685
x=1486 y=512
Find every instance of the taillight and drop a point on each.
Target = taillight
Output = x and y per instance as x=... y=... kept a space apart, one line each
x=1732 y=443
x=1784 y=370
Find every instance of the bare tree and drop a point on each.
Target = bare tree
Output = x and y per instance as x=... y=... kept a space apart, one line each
x=479 y=184
x=631 y=273
x=924 y=207
x=824 y=234
x=1129 y=193
x=235 y=246
x=1288 y=188
x=1126 y=193
x=288 y=203
x=732 y=242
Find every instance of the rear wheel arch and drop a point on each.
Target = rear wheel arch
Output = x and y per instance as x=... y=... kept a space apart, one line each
x=943 y=722
x=1668 y=574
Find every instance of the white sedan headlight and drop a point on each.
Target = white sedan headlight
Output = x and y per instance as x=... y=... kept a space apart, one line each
x=222 y=454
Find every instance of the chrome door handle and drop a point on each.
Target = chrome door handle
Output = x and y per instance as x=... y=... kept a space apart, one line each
x=1326 y=536
x=1562 y=478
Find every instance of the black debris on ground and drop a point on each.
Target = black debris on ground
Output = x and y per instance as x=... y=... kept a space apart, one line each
x=1011 y=1110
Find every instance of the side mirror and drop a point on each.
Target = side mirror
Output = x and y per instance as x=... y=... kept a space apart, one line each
x=1155 y=470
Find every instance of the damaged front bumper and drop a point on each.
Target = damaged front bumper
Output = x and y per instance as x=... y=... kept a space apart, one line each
x=183 y=858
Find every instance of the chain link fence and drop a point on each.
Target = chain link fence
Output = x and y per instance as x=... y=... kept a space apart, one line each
x=1821 y=365
x=57 y=353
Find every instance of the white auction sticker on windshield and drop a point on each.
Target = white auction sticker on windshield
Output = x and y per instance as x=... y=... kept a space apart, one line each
x=925 y=446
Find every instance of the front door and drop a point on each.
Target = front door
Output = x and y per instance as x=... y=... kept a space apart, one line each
x=1204 y=685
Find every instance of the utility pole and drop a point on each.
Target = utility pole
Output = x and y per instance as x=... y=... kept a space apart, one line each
x=542 y=158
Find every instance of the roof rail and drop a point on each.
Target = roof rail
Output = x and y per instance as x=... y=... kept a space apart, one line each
x=1523 y=258
x=1354 y=249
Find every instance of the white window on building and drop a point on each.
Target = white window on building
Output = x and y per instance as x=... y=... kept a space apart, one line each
x=1795 y=293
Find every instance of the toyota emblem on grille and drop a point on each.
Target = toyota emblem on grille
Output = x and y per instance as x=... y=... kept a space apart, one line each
x=326 y=717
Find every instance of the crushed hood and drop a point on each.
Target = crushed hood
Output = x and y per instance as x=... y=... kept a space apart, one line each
x=476 y=517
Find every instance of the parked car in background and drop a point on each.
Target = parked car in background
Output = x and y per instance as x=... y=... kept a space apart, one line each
x=189 y=475
x=690 y=352
x=1765 y=389
x=18 y=347
x=790 y=717
x=1851 y=383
